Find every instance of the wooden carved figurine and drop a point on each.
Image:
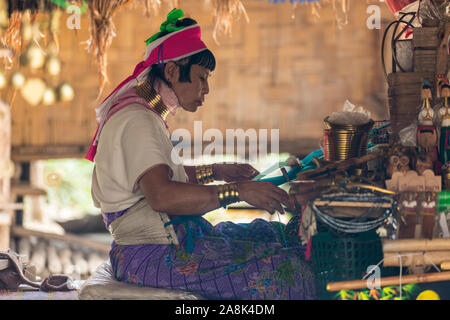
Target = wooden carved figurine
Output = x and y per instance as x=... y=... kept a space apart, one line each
x=424 y=162
x=399 y=159
x=426 y=217
x=444 y=115
x=426 y=132
x=408 y=204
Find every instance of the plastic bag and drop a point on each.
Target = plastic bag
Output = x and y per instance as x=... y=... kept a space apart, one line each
x=350 y=115
x=408 y=136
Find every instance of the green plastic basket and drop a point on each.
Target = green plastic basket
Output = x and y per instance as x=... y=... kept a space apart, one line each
x=343 y=258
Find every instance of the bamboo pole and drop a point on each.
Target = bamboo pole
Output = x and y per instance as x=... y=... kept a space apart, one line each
x=409 y=259
x=414 y=245
x=390 y=281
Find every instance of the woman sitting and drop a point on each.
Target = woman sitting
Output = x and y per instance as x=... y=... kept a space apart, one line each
x=153 y=205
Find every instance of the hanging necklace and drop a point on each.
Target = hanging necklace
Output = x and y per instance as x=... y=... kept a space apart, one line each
x=154 y=100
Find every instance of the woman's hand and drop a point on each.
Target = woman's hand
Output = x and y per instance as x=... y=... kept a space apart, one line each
x=265 y=195
x=231 y=172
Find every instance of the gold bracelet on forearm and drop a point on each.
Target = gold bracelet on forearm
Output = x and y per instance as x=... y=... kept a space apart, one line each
x=227 y=194
x=204 y=174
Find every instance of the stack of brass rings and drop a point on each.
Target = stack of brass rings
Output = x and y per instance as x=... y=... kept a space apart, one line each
x=227 y=194
x=204 y=174
x=343 y=142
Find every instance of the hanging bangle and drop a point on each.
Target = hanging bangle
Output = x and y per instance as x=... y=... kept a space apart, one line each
x=204 y=174
x=227 y=194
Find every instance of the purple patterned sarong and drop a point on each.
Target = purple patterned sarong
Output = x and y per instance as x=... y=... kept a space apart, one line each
x=229 y=261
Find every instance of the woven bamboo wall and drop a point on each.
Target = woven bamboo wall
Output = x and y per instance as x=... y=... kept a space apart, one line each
x=283 y=70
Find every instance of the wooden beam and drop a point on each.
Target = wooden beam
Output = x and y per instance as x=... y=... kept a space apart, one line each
x=67 y=238
x=26 y=189
x=30 y=153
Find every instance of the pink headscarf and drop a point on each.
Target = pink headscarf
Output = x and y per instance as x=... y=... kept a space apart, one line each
x=171 y=47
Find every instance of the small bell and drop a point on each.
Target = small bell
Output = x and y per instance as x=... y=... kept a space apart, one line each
x=49 y=97
x=66 y=92
x=53 y=66
x=18 y=80
x=3 y=80
x=34 y=57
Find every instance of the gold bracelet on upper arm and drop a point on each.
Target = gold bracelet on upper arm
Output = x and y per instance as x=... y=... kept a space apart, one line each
x=204 y=174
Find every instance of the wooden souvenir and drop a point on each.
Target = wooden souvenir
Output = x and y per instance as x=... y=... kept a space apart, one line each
x=432 y=182
x=399 y=159
x=427 y=138
x=408 y=203
x=417 y=210
x=424 y=162
x=411 y=181
x=426 y=215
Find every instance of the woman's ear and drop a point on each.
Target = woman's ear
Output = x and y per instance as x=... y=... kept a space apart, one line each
x=171 y=72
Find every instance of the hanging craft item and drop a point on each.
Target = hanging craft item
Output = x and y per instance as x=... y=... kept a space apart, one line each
x=223 y=15
x=33 y=91
x=65 y=92
x=64 y=4
x=18 y=80
x=102 y=32
x=153 y=6
x=4 y=14
x=341 y=9
x=34 y=57
x=3 y=81
x=55 y=18
x=53 y=66
x=12 y=37
x=49 y=97
x=5 y=52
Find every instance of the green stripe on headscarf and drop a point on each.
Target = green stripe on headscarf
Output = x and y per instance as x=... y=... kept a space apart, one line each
x=169 y=25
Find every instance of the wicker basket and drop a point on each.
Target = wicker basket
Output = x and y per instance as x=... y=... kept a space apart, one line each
x=343 y=258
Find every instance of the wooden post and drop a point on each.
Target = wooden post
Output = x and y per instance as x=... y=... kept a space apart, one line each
x=5 y=174
x=5 y=224
x=38 y=201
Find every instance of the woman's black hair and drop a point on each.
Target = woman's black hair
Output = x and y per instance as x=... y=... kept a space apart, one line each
x=204 y=58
